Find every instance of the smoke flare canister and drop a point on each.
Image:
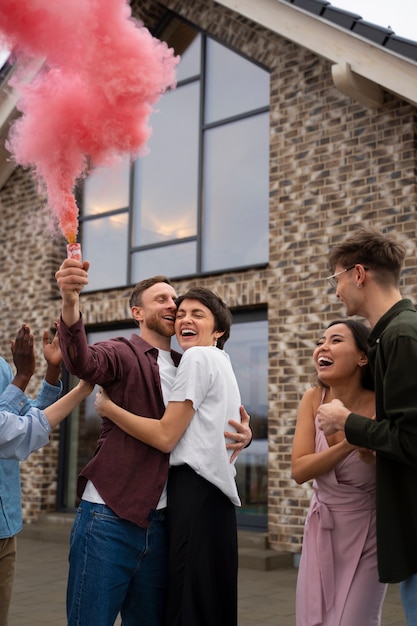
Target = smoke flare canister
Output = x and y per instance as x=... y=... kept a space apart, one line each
x=74 y=251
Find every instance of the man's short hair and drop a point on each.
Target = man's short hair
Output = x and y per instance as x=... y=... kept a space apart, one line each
x=373 y=250
x=143 y=285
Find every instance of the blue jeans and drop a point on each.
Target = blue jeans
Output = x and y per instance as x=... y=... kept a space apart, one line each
x=116 y=566
x=409 y=599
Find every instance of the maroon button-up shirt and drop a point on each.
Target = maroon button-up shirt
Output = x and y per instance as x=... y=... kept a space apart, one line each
x=128 y=474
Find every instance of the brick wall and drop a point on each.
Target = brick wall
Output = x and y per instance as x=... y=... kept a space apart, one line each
x=334 y=164
x=28 y=259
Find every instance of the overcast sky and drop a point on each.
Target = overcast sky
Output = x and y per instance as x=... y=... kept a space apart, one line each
x=400 y=15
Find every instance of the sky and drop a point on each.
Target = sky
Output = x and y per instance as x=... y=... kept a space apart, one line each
x=400 y=15
x=3 y=56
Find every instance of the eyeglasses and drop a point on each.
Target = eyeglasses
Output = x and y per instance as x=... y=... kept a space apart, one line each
x=332 y=279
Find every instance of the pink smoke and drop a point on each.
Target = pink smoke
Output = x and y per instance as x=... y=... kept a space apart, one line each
x=93 y=97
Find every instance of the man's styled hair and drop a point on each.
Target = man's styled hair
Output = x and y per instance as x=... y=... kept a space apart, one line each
x=373 y=250
x=222 y=316
x=143 y=285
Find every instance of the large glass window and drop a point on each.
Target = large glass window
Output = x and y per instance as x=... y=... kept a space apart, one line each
x=105 y=225
x=198 y=201
x=248 y=350
x=229 y=74
x=234 y=232
x=165 y=180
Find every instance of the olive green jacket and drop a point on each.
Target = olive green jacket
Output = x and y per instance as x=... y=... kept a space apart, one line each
x=393 y=360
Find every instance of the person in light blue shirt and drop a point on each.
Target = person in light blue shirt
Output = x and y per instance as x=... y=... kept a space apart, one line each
x=19 y=436
x=14 y=400
x=22 y=434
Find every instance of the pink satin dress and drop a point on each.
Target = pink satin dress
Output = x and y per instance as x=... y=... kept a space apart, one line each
x=338 y=578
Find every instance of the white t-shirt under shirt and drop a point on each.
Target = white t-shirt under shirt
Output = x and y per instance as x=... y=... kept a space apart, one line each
x=205 y=376
x=167 y=371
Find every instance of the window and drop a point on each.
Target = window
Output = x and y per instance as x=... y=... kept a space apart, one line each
x=198 y=202
x=248 y=350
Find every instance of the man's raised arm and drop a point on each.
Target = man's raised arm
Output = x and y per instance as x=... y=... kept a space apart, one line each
x=71 y=278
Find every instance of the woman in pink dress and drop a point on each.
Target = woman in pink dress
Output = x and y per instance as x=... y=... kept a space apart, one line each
x=338 y=578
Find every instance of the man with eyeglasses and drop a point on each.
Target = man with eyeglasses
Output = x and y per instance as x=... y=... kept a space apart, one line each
x=367 y=267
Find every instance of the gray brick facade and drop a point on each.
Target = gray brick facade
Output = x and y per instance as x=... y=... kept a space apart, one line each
x=334 y=164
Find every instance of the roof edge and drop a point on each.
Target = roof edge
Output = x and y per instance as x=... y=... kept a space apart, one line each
x=339 y=46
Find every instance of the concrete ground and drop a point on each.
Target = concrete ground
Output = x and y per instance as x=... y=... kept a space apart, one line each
x=266 y=598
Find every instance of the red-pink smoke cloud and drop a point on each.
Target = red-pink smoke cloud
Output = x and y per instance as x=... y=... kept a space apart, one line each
x=93 y=97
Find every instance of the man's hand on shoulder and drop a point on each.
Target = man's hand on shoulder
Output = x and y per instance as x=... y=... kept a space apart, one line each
x=243 y=435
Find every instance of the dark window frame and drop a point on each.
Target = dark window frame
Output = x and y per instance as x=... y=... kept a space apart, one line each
x=203 y=127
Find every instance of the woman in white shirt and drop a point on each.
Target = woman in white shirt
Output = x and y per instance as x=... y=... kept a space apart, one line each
x=202 y=491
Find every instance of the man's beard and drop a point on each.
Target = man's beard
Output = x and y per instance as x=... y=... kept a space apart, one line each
x=158 y=326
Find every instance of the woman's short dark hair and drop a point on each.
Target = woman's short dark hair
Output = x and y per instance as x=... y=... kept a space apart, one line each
x=222 y=316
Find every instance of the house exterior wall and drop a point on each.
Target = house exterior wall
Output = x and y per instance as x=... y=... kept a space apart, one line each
x=29 y=258
x=333 y=165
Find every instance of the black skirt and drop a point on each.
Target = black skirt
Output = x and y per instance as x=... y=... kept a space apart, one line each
x=202 y=583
